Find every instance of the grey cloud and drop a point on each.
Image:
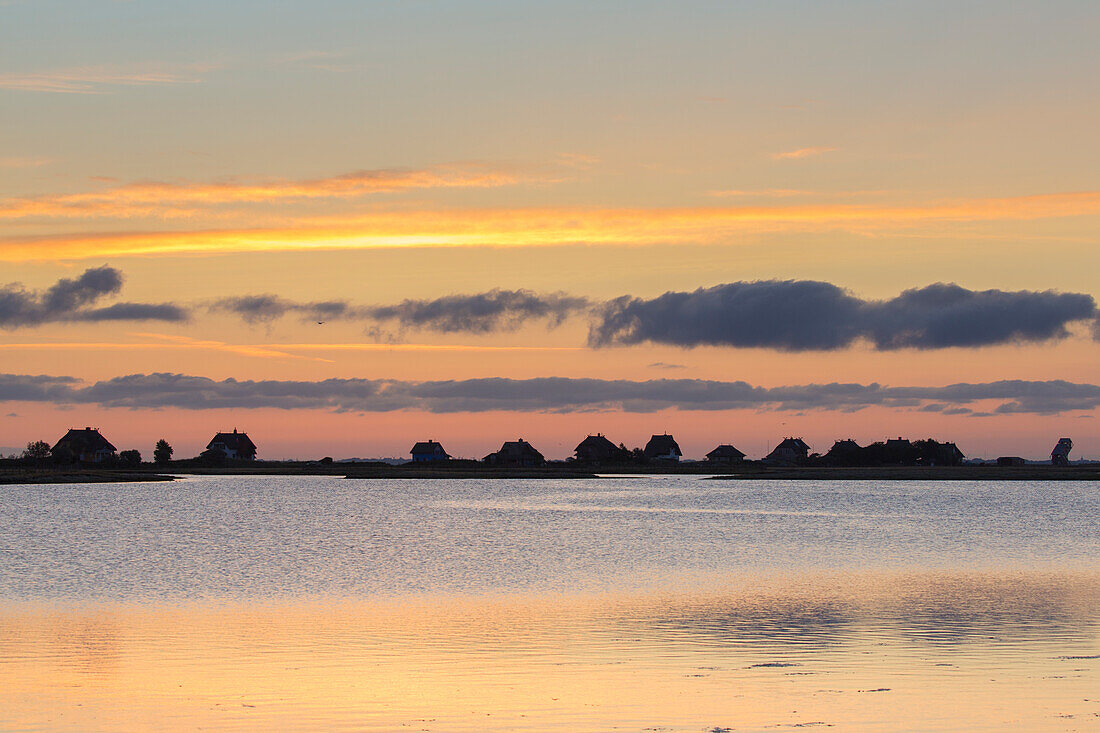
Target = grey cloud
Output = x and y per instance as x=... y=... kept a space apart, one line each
x=134 y=312
x=482 y=312
x=495 y=310
x=944 y=315
x=545 y=394
x=800 y=315
x=36 y=388
x=69 y=300
x=267 y=308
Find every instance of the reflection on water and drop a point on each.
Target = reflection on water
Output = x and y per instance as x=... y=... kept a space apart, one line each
x=630 y=604
x=867 y=652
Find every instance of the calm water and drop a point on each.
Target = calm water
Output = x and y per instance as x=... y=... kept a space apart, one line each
x=650 y=603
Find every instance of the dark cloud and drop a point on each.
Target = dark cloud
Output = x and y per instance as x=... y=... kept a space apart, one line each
x=495 y=310
x=36 y=388
x=800 y=315
x=788 y=315
x=944 y=315
x=267 y=308
x=546 y=394
x=69 y=300
x=133 y=312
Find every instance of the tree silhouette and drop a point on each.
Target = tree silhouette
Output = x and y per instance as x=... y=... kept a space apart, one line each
x=37 y=450
x=162 y=453
x=130 y=458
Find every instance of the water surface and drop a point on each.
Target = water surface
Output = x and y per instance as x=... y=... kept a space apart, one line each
x=647 y=603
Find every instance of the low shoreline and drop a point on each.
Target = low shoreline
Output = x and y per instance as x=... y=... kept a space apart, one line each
x=90 y=476
x=744 y=472
x=916 y=473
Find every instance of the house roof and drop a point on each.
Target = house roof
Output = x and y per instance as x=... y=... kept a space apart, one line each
x=84 y=439
x=795 y=444
x=239 y=442
x=595 y=442
x=429 y=447
x=847 y=444
x=519 y=446
x=517 y=449
x=662 y=445
x=725 y=451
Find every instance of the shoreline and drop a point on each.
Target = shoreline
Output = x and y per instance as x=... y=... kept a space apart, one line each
x=90 y=476
x=745 y=472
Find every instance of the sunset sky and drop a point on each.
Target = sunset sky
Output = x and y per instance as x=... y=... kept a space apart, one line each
x=347 y=226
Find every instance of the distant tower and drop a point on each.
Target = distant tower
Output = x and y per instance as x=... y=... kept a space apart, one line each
x=1060 y=455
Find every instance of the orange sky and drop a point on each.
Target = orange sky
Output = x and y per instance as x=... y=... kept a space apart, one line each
x=592 y=152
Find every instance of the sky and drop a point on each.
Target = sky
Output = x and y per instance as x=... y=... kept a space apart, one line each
x=347 y=226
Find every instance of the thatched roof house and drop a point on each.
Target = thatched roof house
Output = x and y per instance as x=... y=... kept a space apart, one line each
x=85 y=445
x=516 y=453
x=790 y=452
x=725 y=453
x=598 y=449
x=237 y=446
x=662 y=448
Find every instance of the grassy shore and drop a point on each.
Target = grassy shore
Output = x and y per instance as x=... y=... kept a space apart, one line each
x=76 y=476
x=916 y=473
x=474 y=470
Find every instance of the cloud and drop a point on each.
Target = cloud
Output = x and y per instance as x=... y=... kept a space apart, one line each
x=185 y=198
x=267 y=308
x=802 y=153
x=532 y=227
x=36 y=388
x=494 y=310
x=69 y=300
x=546 y=394
x=802 y=315
x=96 y=79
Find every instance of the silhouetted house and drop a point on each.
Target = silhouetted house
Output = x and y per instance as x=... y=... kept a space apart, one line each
x=516 y=453
x=898 y=452
x=933 y=453
x=598 y=449
x=790 y=452
x=845 y=453
x=1011 y=461
x=428 y=450
x=662 y=448
x=84 y=445
x=725 y=453
x=1060 y=455
x=234 y=446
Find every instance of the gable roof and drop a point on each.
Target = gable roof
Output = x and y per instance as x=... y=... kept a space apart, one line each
x=661 y=445
x=596 y=442
x=239 y=442
x=519 y=446
x=428 y=447
x=793 y=444
x=84 y=439
x=788 y=446
x=725 y=451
